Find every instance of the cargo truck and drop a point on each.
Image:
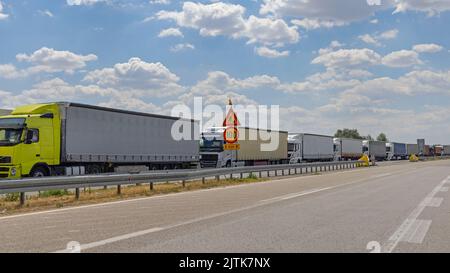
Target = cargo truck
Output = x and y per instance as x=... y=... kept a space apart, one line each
x=412 y=149
x=347 y=149
x=310 y=148
x=70 y=139
x=254 y=148
x=375 y=149
x=446 y=150
x=437 y=150
x=396 y=151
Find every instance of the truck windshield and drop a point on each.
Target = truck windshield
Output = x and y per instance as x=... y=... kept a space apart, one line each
x=291 y=147
x=211 y=145
x=10 y=137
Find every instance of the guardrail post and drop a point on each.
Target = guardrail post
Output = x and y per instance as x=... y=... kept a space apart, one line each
x=268 y=173
x=151 y=186
x=119 y=189
x=77 y=194
x=276 y=172
x=217 y=177
x=184 y=183
x=22 y=198
x=301 y=170
x=241 y=175
x=105 y=187
x=282 y=172
x=260 y=174
x=203 y=180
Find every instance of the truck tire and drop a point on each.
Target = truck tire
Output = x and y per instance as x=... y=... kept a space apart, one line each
x=39 y=171
x=228 y=165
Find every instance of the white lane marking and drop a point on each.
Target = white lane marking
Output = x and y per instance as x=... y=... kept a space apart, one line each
x=444 y=189
x=411 y=221
x=417 y=232
x=381 y=175
x=293 y=195
x=432 y=202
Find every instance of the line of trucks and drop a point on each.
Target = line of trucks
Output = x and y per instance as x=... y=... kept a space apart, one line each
x=65 y=138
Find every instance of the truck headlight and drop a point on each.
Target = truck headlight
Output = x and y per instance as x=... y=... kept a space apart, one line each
x=13 y=171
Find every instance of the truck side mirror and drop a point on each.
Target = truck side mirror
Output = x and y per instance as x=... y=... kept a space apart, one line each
x=29 y=138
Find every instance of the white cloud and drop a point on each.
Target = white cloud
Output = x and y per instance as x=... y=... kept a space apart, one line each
x=50 y=60
x=9 y=71
x=46 y=13
x=270 y=53
x=311 y=24
x=174 y=32
x=182 y=47
x=3 y=16
x=402 y=58
x=228 y=20
x=427 y=48
x=343 y=11
x=147 y=79
x=377 y=37
x=348 y=57
x=431 y=7
x=269 y=31
x=159 y=2
x=83 y=2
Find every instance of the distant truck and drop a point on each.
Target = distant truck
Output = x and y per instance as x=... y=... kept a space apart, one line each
x=254 y=148
x=438 y=150
x=347 y=149
x=71 y=139
x=310 y=148
x=375 y=149
x=427 y=150
x=412 y=149
x=396 y=151
x=446 y=150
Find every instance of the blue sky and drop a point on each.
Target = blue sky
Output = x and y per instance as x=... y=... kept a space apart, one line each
x=378 y=68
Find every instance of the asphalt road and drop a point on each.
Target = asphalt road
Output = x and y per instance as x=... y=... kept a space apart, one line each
x=403 y=207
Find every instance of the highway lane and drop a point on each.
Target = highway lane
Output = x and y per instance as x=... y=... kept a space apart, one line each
x=332 y=212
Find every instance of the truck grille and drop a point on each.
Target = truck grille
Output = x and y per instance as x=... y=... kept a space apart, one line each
x=5 y=159
x=3 y=175
x=4 y=169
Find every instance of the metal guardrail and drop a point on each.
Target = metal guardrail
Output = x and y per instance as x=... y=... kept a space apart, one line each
x=76 y=182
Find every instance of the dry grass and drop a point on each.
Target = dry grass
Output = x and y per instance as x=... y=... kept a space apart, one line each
x=58 y=199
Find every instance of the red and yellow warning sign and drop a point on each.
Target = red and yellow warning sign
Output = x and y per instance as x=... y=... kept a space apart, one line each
x=231 y=133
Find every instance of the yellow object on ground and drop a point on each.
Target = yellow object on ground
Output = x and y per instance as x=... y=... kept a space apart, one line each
x=413 y=158
x=366 y=160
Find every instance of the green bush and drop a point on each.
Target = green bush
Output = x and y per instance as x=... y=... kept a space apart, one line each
x=54 y=193
x=11 y=197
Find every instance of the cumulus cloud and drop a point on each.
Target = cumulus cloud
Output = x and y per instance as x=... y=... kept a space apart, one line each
x=83 y=2
x=340 y=12
x=159 y=2
x=311 y=24
x=402 y=58
x=150 y=79
x=431 y=7
x=182 y=47
x=427 y=48
x=50 y=60
x=228 y=20
x=348 y=58
x=3 y=16
x=271 y=53
x=378 y=37
x=9 y=71
x=174 y=32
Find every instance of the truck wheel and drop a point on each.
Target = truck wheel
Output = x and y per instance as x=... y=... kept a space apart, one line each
x=228 y=165
x=39 y=172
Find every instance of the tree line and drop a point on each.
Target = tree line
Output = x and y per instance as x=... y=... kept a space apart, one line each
x=353 y=133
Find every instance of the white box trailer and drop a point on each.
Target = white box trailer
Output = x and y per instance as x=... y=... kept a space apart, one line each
x=376 y=149
x=347 y=148
x=310 y=148
x=92 y=134
x=412 y=149
x=446 y=150
x=257 y=147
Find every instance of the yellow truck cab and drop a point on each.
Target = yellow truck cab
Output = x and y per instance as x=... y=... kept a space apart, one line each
x=30 y=141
